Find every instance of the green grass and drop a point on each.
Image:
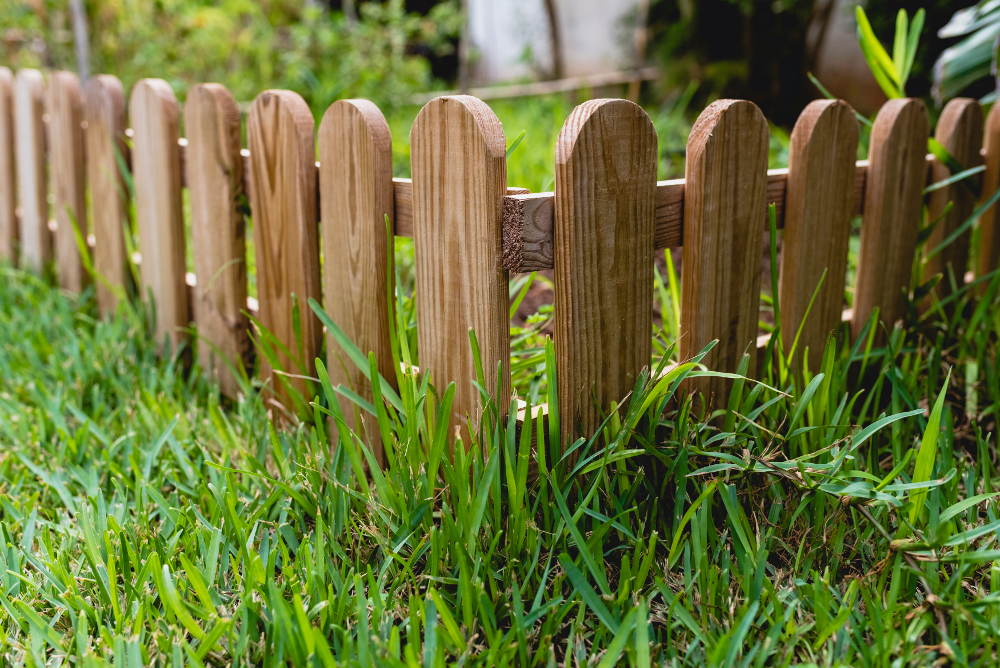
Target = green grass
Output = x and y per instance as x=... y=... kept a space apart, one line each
x=845 y=515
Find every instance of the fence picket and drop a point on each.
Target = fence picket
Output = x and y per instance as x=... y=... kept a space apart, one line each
x=818 y=200
x=989 y=240
x=8 y=195
x=283 y=202
x=355 y=175
x=605 y=185
x=215 y=184
x=29 y=108
x=893 y=199
x=960 y=131
x=66 y=169
x=104 y=111
x=156 y=172
x=724 y=196
x=459 y=167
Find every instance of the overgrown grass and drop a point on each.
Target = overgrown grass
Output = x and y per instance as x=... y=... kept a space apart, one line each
x=832 y=516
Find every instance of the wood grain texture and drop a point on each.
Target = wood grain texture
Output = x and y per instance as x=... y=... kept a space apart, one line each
x=458 y=162
x=283 y=172
x=32 y=172
x=821 y=181
x=528 y=232
x=893 y=198
x=989 y=240
x=605 y=185
x=724 y=195
x=215 y=183
x=527 y=235
x=960 y=130
x=355 y=181
x=8 y=194
x=156 y=172
x=104 y=111
x=67 y=171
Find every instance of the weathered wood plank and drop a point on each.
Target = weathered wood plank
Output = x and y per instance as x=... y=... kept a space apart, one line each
x=605 y=185
x=989 y=240
x=355 y=179
x=893 y=200
x=215 y=183
x=283 y=201
x=960 y=130
x=457 y=154
x=29 y=108
x=104 y=111
x=67 y=171
x=725 y=192
x=821 y=182
x=8 y=194
x=156 y=173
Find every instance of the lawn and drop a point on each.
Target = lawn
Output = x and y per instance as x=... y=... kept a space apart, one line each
x=834 y=516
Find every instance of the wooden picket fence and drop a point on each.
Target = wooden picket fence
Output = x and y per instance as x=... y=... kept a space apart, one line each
x=599 y=230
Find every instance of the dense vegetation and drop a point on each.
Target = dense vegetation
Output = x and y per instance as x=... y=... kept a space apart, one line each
x=844 y=514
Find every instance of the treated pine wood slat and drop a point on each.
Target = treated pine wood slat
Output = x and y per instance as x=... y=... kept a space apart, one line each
x=989 y=240
x=458 y=162
x=104 y=112
x=893 y=200
x=8 y=194
x=29 y=108
x=355 y=178
x=960 y=131
x=215 y=183
x=402 y=196
x=605 y=185
x=67 y=171
x=528 y=218
x=725 y=191
x=283 y=201
x=821 y=182
x=156 y=173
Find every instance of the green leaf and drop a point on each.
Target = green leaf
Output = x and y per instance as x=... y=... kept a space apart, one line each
x=899 y=43
x=674 y=552
x=587 y=592
x=928 y=453
x=911 y=45
x=878 y=60
x=960 y=507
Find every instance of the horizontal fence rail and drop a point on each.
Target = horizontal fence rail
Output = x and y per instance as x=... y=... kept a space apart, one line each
x=598 y=230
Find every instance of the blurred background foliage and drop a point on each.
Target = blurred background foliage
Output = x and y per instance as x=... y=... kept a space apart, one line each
x=247 y=45
x=391 y=50
x=386 y=51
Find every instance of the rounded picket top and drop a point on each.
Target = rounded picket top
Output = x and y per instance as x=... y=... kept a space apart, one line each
x=104 y=113
x=215 y=184
x=64 y=99
x=32 y=185
x=156 y=173
x=897 y=175
x=355 y=177
x=960 y=131
x=605 y=206
x=8 y=197
x=724 y=210
x=818 y=206
x=989 y=240
x=459 y=168
x=283 y=201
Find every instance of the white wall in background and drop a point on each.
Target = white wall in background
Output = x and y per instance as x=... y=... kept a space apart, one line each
x=511 y=37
